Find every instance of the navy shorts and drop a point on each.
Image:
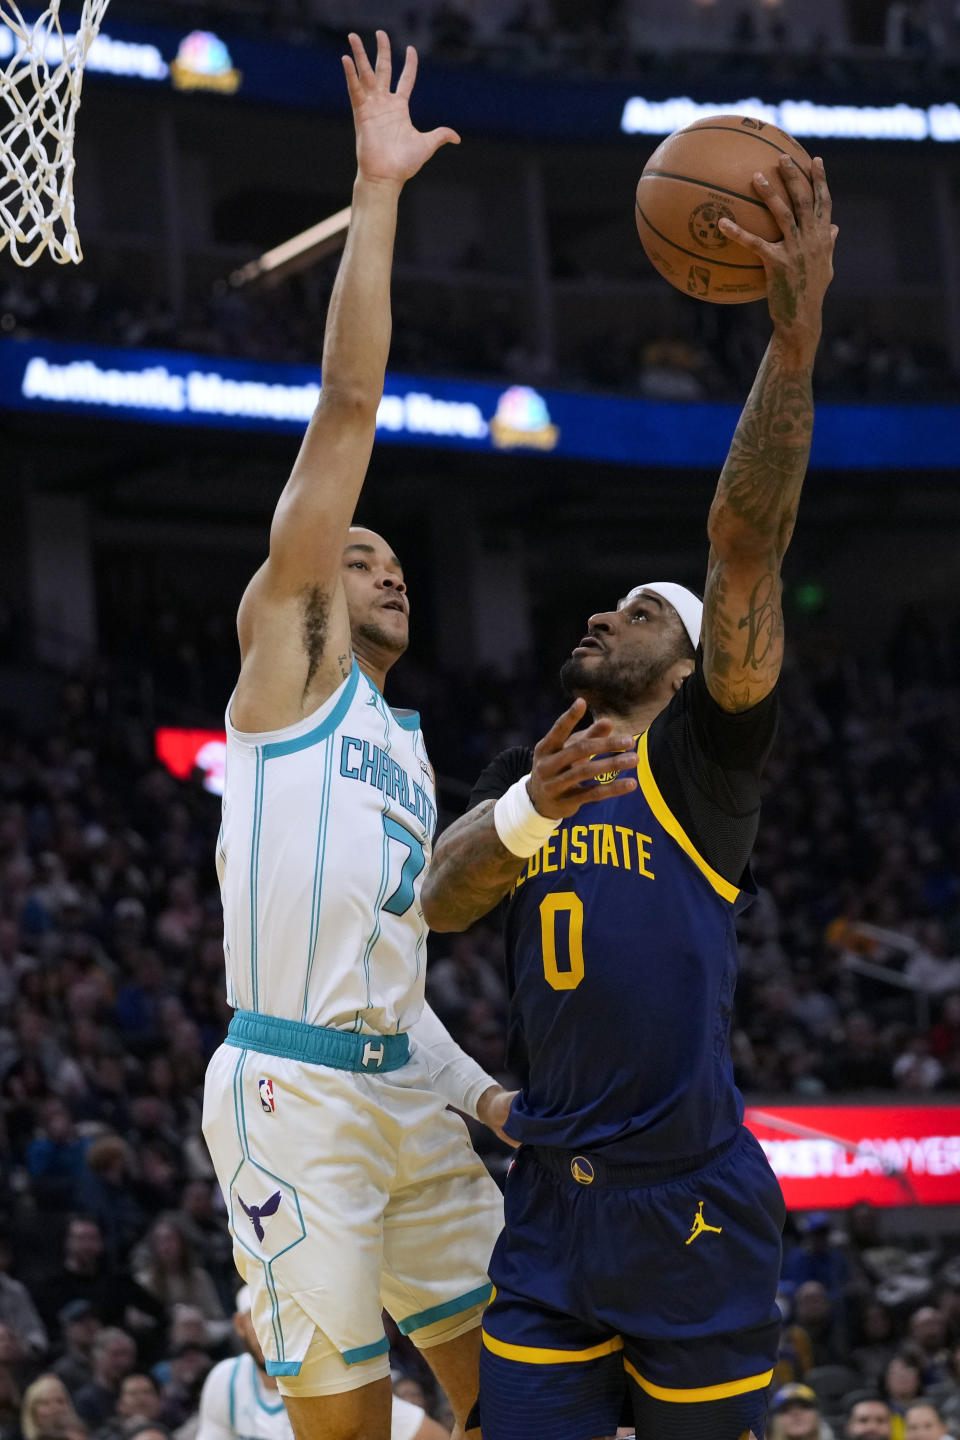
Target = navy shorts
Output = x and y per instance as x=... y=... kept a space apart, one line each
x=633 y=1290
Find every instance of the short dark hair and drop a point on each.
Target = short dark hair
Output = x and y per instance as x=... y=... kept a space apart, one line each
x=863 y=1397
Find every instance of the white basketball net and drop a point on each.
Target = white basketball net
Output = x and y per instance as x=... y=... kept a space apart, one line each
x=39 y=97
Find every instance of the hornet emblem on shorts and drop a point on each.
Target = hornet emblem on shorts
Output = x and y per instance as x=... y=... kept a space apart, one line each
x=256 y=1213
x=697 y=1228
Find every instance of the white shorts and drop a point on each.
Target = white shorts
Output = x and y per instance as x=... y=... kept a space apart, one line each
x=347 y=1193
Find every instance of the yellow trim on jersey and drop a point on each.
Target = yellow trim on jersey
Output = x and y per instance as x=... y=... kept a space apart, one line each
x=699 y=1393
x=532 y=1355
x=671 y=824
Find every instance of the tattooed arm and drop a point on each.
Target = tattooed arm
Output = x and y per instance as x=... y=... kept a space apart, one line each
x=755 y=507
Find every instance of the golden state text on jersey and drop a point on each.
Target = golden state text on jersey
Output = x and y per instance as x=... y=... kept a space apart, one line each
x=622 y=962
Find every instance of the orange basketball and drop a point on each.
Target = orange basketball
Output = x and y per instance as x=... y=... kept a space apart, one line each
x=697 y=176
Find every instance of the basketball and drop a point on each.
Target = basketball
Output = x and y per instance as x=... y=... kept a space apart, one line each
x=698 y=176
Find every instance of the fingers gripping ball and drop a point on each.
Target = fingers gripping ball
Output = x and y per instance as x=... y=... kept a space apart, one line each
x=696 y=177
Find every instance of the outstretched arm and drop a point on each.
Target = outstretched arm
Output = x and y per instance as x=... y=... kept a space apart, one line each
x=472 y=869
x=290 y=629
x=755 y=507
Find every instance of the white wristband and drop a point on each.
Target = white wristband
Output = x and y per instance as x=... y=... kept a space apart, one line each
x=521 y=827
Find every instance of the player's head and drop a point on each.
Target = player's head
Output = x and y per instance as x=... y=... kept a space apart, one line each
x=243 y=1324
x=868 y=1419
x=376 y=595
x=642 y=650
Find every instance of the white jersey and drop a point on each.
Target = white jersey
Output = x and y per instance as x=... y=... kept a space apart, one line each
x=236 y=1405
x=327 y=831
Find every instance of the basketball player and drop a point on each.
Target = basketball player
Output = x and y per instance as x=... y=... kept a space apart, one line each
x=239 y=1400
x=642 y=1239
x=349 y=1186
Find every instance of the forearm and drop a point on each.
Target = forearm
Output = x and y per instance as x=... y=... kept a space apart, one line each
x=471 y=871
x=755 y=507
x=453 y=1073
x=357 y=338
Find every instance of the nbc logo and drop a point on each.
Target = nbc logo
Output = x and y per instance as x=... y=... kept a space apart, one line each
x=522 y=418
x=203 y=63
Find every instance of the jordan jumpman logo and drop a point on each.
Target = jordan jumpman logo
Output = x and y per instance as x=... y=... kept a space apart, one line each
x=700 y=1225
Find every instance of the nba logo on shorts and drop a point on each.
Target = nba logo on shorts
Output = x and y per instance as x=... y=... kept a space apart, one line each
x=266 y=1096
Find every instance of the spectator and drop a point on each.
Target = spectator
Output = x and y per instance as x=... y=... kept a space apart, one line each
x=877 y=1345
x=105 y=1193
x=55 y=1157
x=138 y=1400
x=818 y=1258
x=170 y=1275
x=114 y=1356
x=923 y=1421
x=902 y=1382
x=927 y=1331
x=84 y=1274
x=794 y=1414
x=189 y=1366
x=17 y=1309
x=813 y=1312
x=79 y=1327
x=48 y=1410
x=868 y=1418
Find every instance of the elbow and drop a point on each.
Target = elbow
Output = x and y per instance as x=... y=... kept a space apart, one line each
x=733 y=538
x=350 y=401
x=437 y=915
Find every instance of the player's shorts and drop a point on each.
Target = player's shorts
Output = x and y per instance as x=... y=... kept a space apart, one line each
x=615 y=1282
x=347 y=1193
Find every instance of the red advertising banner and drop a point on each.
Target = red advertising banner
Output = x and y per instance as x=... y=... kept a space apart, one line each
x=185 y=751
x=830 y=1156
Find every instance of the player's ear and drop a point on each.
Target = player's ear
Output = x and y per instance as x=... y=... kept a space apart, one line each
x=681 y=670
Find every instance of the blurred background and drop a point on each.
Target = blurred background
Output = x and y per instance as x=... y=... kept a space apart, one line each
x=554 y=422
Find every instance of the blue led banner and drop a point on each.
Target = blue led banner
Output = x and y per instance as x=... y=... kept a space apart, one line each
x=480 y=101
x=175 y=388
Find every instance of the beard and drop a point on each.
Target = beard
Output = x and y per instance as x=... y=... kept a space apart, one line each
x=610 y=687
x=383 y=639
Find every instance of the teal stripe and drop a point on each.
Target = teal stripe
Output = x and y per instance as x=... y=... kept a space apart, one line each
x=385 y=849
x=258 y=1392
x=326 y=727
x=283 y=1367
x=410 y=721
x=365 y=1352
x=480 y=1296
x=274 y=1307
x=318 y=872
x=254 y=872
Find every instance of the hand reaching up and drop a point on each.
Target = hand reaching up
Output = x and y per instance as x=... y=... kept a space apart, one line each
x=389 y=147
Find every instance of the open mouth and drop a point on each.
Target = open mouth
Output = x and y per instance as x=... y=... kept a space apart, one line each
x=393 y=605
x=589 y=642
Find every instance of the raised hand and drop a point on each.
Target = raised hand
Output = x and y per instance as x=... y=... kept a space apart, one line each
x=800 y=266
x=389 y=147
x=564 y=763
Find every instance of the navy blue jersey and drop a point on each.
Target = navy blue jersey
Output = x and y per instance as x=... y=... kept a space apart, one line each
x=621 y=945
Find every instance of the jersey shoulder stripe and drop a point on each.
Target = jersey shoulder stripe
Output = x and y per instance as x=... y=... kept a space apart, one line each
x=670 y=823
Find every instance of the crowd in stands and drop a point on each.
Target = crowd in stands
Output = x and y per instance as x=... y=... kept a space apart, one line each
x=615 y=37
x=116 y=1278
x=469 y=336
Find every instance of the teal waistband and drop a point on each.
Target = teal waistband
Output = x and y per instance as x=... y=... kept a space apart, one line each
x=316 y=1044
